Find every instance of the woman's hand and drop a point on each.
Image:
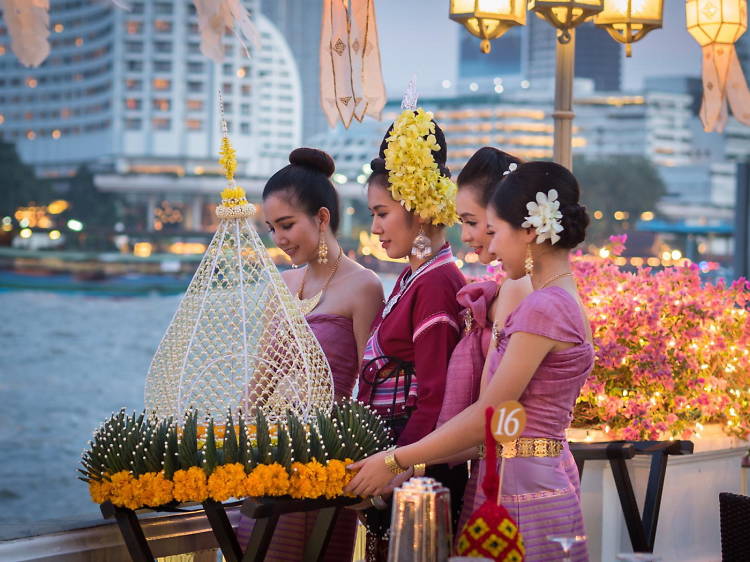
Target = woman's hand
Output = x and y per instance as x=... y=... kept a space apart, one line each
x=371 y=477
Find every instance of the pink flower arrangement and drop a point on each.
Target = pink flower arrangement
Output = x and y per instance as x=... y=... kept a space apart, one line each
x=672 y=352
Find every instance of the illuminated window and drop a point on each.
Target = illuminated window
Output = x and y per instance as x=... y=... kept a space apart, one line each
x=133 y=103
x=194 y=124
x=161 y=104
x=161 y=124
x=162 y=84
x=59 y=27
x=56 y=134
x=79 y=41
x=31 y=82
x=195 y=105
x=163 y=26
x=132 y=27
x=31 y=135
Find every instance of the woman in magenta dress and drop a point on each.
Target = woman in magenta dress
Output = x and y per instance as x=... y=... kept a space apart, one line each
x=301 y=210
x=540 y=355
x=404 y=369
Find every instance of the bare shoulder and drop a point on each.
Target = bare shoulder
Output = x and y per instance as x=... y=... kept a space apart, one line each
x=363 y=280
x=292 y=277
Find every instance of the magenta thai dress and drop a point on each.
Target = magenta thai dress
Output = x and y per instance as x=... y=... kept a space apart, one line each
x=542 y=493
x=336 y=336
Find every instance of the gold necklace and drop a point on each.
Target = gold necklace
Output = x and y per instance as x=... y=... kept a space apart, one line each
x=308 y=305
x=554 y=278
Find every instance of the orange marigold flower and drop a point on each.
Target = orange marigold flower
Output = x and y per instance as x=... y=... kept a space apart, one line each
x=190 y=485
x=308 y=480
x=338 y=477
x=100 y=490
x=155 y=489
x=227 y=481
x=125 y=490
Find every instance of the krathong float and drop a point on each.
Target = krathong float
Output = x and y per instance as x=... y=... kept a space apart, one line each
x=239 y=395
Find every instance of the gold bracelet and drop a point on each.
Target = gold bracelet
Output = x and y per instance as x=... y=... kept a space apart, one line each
x=420 y=469
x=392 y=464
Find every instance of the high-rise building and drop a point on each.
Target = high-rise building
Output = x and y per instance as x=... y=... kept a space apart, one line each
x=598 y=56
x=299 y=23
x=130 y=91
x=529 y=52
x=503 y=60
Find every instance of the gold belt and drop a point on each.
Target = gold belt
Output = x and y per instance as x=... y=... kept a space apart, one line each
x=527 y=447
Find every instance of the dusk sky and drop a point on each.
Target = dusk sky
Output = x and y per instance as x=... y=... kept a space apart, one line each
x=416 y=36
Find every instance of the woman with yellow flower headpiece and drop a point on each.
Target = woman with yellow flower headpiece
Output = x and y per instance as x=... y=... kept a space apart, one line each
x=403 y=375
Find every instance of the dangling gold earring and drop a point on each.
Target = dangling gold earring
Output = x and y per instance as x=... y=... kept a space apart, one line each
x=528 y=263
x=422 y=246
x=322 y=250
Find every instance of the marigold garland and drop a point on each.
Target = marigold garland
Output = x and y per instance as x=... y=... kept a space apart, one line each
x=413 y=174
x=303 y=481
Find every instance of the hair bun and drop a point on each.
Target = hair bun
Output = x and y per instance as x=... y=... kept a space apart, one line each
x=313 y=159
x=377 y=165
x=574 y=221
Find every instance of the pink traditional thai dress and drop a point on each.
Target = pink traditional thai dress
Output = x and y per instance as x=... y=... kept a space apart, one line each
x=542 y=493
x=336 y=336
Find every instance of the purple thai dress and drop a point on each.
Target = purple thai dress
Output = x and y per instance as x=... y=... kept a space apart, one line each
x=336 y=336
x=542 y=493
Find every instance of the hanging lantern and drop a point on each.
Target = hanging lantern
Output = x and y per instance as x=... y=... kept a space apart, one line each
x=488 y=19
x=565 y=14
x=716 y=25
x=628 y=21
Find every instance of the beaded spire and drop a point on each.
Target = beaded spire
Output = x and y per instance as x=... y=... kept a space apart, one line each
x=234 y=203
x=238 y=339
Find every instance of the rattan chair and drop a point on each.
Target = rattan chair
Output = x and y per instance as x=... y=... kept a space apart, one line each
x=734 y=514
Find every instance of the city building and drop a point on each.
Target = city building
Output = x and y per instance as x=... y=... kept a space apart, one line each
x=298 y=22
x=130 y=92
x=527 y=54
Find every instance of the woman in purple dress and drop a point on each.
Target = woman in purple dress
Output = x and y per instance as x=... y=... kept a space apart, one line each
x=540 y=355
x=340 y=299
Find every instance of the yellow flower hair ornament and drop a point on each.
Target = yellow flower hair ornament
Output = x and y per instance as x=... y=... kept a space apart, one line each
x=413 y=174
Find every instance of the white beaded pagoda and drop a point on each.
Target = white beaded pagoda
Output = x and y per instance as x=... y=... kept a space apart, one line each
x=238 y=340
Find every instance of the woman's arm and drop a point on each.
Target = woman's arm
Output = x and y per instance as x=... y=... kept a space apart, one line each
x=367 y=302
x=522 y=358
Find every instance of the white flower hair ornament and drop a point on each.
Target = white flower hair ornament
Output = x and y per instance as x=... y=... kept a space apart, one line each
x=511 y=168
x=544 y=216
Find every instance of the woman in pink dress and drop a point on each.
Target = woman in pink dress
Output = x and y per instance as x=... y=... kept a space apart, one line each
x=483 y=301
x=340 y=299
x=540 y=355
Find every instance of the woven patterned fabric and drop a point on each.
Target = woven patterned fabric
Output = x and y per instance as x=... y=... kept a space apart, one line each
x=734 y=512
x=491 y=533
x=238 y=339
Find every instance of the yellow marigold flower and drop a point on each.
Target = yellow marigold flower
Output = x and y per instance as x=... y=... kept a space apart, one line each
x=125 y=490
x=227 y=481
x=190 y=485
x=338 y=477
x=155 y=490
x=267 y=480
x=100 y=490
x=308 y=480
x=278 y=480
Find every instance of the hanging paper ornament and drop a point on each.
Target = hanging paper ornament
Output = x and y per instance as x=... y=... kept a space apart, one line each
x=351 y=79
x=28 y=26
x=716 y=25
x=215 y=17
x=491 y=532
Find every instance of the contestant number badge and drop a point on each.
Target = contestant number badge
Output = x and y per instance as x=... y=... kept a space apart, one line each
x=508 y=421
